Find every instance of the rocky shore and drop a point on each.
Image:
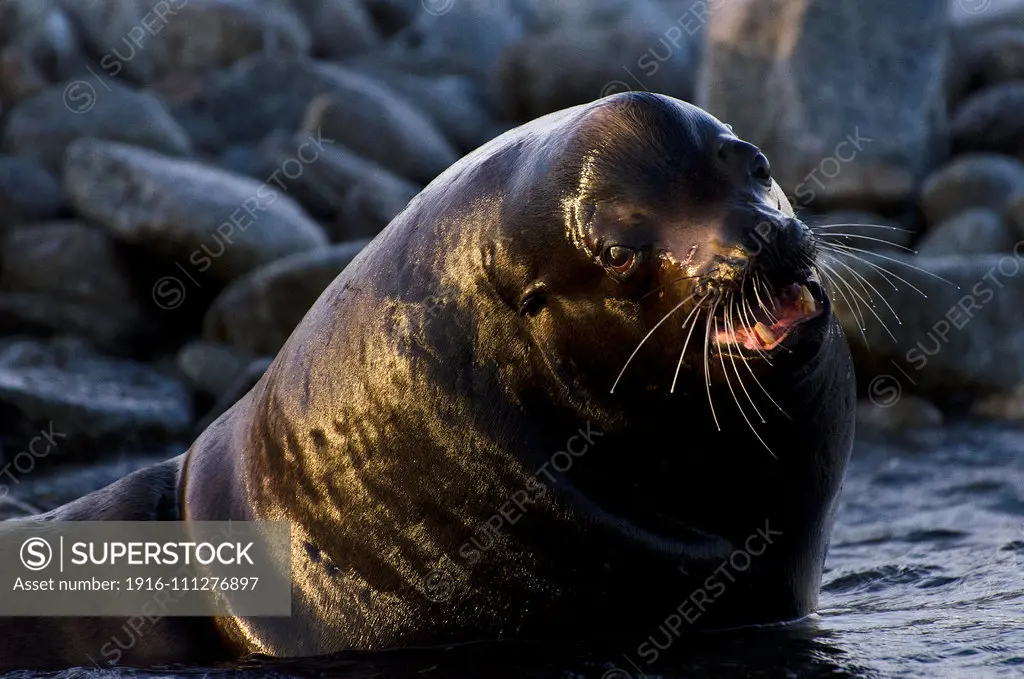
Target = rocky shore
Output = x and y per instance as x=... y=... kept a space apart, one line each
x=180 y=179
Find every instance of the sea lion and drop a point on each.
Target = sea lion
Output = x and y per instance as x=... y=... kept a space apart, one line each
x=586 y=380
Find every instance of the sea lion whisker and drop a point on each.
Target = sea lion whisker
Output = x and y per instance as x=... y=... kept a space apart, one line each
x=745 y=310
x=732 y=331
x=665 y=285
x=832 y=276
x=897 y=261
x=870 y=238
x=871 y=308
x=822 y=227
x=864 y=282
x=757 y=279
x=689 y=334
x=736 y=400
x=707 y=367
x=647 y=337
x=884 y=272
x=758 y=382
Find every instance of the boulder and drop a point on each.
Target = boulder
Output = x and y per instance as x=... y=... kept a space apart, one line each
x=340 y=28
x=69 y=278
x=210 y=221
x=983 y=180
x=256 y=314
x=354 y=196
x=28 y=192
x=88 y=403
x=145 y=41
x=646 y=48
x=42 y=127
x=989 y=121
x=977 y=231
x=841 y=132
x=211 y=368
x=383 y=128
x=961 y=334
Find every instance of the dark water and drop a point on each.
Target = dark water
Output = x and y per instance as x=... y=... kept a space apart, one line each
x=925 y=578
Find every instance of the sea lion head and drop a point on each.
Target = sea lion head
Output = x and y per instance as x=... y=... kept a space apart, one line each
x=669 y=256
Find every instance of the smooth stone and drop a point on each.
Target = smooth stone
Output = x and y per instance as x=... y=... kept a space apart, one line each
x=455 y=103
x=836 y=132
x=257 y=313
x=44 y=126
x=984 y=180
x=963 y=338
x=976 y=231
x=340 y=28
x=381 y=127
x=984 y=58
x=144 y=41
x=211 y=367
x=643 y=49
x=210 y=221
x=92 y=402
x=356 y=197
x=990 y=121
x=28 y=192
x=908 y=412
x=69 y=278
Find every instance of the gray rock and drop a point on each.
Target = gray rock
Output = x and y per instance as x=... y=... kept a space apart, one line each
x=974 y=180
x=833 y=127
x=977 y=231
x=642 y=50
x=28 y=193
x=380 y=126
x=861 y=230
x=1004 y=407
x=135 y=38
x=210 y=367
x=340 y=28
x=206 y=219
x=355 y=195
x=392 y=16
x=455 y=103
x=452 y=37
x=262 y=94
x=42 y=127
x=963 y=340
x=256 y=314
x=37 y=44
x=88 y=401
x=907 y=412
x=68 y=278
x=989 y=121
x=984 y=58
x=1014 y=214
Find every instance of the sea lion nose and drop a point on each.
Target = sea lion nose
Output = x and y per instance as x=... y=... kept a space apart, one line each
x=743 y=161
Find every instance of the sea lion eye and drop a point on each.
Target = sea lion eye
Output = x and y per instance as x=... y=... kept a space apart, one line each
x=619 y=258
x=761 y=169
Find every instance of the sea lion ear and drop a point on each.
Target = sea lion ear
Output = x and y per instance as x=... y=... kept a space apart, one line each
x=783 y=202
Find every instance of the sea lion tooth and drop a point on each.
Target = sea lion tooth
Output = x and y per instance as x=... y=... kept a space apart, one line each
x=806 y=300
x=765 y=333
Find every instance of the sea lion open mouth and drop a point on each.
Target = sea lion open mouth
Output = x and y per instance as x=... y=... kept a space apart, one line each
x=766 y=324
